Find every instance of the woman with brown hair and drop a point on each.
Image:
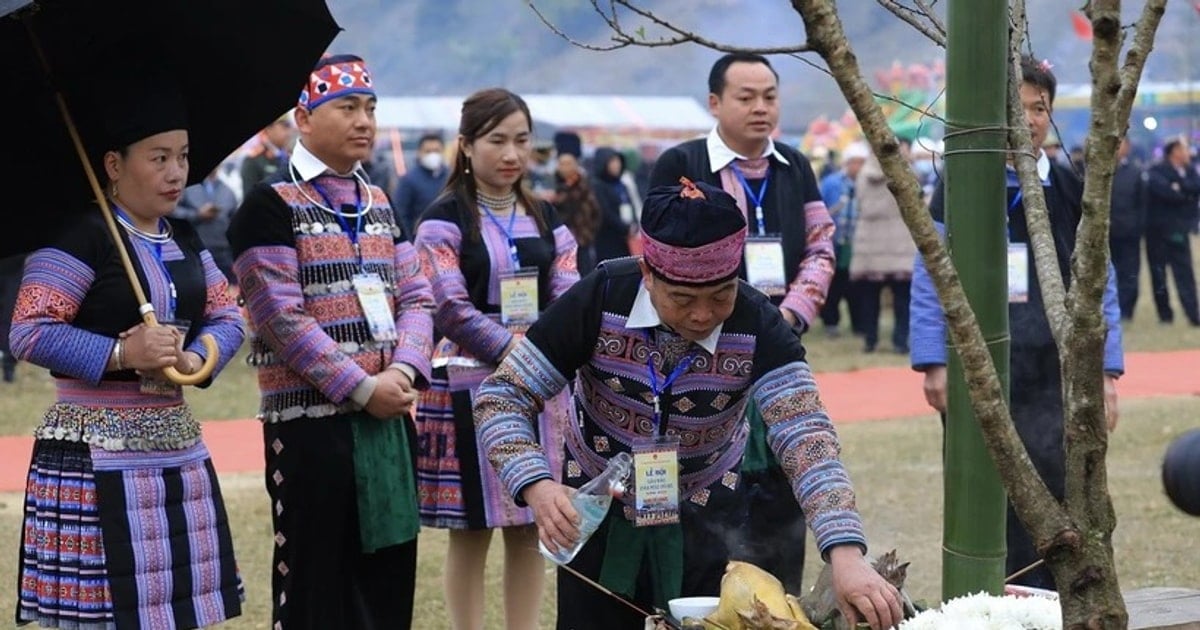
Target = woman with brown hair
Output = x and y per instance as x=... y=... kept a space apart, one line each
x=496 y=257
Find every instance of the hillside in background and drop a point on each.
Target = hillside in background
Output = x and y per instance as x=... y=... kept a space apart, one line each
x=452 y=47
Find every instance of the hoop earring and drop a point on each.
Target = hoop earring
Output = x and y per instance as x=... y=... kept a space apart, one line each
x=115 y=193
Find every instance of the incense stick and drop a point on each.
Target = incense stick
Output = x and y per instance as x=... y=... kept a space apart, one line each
x=600 y=588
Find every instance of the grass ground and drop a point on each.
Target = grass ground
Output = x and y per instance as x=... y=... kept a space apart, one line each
x=896 y=469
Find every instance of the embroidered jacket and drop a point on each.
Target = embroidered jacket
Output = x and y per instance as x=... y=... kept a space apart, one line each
x=593 y=333
x=295 y=264
x=465 y=273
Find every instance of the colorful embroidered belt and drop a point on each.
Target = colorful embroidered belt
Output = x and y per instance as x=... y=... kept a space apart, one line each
x=164 y=428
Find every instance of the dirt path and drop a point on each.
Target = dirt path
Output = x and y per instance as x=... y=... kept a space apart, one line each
x=869 y=394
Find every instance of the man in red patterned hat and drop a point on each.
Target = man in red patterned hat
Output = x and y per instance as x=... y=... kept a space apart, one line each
x=343 y=323
x=666 y=352
x=789 y=255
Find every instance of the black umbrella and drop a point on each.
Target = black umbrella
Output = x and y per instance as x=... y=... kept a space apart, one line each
x=239 y=64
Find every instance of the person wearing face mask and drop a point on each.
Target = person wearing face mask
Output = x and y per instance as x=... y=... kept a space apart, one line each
x=343 y=333
x=496 y=257
x=422 y=183
x=124 y=524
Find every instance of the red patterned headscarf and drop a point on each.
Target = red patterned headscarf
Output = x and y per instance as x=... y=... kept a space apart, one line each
x=336 y=76
x=692 y=234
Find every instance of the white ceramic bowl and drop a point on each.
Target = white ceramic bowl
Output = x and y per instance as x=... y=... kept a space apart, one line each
x=693 y=606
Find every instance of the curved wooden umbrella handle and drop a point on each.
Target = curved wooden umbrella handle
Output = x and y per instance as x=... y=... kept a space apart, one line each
x=210 y=349
x=212 y=352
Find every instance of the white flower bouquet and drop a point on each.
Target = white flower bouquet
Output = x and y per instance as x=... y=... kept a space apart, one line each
x=982 y=611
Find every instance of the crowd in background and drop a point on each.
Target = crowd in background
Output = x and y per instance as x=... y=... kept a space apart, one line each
x=598 y=194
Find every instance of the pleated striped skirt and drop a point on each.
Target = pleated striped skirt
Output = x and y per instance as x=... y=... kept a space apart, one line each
x=125 y=540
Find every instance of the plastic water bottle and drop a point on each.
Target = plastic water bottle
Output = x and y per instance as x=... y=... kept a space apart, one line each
x=592 y=502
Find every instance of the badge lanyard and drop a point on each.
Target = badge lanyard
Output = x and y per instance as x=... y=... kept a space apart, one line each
x=172 y=294
x=756 y=198
x=655 y=390
x=1012 y=205
x=341 y=219
x=508 y=234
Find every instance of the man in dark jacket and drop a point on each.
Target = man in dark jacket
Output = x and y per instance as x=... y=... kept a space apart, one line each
x=1174 y=188
x=269 y=158
x=421 y=184
x=617 y=204
x=209 y=206
x=1127 y=227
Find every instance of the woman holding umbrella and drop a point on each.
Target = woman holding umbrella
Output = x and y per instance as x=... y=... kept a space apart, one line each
x=124 y=523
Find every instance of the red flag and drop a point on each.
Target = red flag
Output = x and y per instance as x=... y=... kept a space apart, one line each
x=1083 y=26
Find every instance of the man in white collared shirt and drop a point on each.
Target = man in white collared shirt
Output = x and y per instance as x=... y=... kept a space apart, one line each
x=343 y=333
x=666 y=351
x=789 y=256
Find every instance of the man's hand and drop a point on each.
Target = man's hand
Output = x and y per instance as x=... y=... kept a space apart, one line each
x=935 y=387
x=556 y=519
x=1110 y=402
x=390 y=399
x=863 y=594
x=399 y=377
x=788 y=316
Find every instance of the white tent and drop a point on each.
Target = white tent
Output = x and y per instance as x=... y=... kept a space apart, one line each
x=660 y=113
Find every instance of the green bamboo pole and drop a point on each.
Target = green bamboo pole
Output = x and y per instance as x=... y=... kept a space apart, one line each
x=973 y=545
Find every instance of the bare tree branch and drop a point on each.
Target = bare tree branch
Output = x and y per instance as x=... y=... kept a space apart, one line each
x=570 y=40
x=623 y=39
x=920 y=18
x=1025 y=155
x=682 y=35
x=927 y=9
x=1113 y=89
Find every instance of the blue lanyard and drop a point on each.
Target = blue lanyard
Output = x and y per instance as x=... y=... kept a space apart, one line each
x=1012 y=205
x=656 y=391
x=757 y=199
x=358 y=210
x=508 y=233
x=172 y=293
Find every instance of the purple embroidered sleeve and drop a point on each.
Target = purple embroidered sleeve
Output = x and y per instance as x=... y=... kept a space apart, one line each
x=222 y=319
x=439 y=243
x=806 y=294
x=413 y=307
x=803 y=438
x=52 y=288
x=275 y=301
x=565 y=271
x=506 y=409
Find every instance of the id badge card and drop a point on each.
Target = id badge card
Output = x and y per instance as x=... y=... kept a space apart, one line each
x=764 y=265
x=376 y=306
x=1018 y=273
x=519 y=298
x=656 y=481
